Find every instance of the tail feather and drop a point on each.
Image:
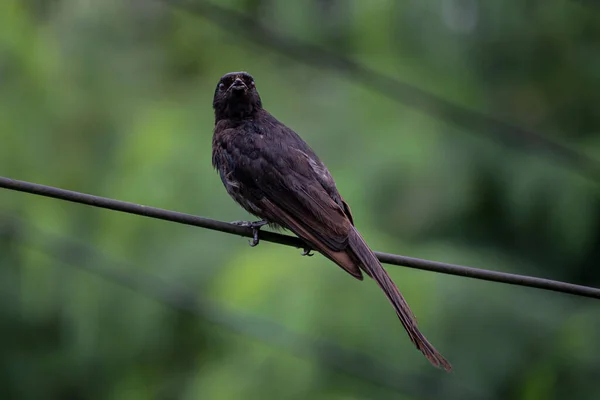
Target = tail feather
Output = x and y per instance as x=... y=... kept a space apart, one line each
x=370 y=264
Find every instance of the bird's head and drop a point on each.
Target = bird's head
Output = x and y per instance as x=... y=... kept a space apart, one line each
x=236 y=96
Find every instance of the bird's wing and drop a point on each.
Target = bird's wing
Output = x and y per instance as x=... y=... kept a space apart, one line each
x=304 y=229
x=296 y=191
x=301 y=204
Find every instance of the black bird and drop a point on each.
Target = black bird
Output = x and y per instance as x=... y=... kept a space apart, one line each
x=273 y=174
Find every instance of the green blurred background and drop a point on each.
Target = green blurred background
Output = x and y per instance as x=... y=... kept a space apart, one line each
x=113 y=98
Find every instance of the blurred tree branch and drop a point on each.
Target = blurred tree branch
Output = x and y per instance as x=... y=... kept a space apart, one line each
x=347 y=361
x=402 y=92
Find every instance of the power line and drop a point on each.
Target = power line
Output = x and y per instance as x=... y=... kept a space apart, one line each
x=402 y=92
x=207 y=223
x=344 y=360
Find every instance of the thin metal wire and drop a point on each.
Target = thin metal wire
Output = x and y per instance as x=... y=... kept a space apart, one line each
x=207 y=223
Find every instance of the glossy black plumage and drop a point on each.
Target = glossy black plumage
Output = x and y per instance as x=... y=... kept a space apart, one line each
x=273 y=174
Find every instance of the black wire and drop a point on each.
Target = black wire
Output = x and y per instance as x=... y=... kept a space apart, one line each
x=402 y=92
x=207 y=223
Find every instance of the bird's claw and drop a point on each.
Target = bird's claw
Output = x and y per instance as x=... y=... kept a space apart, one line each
x=254 y=241
x=255 y=225
x=307 y=252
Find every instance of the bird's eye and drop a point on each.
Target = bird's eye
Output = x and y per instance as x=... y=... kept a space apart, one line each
x=252 y=83
x=221 y=86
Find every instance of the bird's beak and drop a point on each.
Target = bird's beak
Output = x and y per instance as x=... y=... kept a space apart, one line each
x=238 y=84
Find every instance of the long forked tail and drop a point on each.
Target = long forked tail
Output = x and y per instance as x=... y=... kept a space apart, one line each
x=371 y=265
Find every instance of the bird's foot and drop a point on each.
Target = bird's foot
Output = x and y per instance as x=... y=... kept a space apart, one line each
x=307 y=252
x=255 y=225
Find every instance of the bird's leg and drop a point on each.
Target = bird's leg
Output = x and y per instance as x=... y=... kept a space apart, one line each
x=307 y=252
x=255 y=225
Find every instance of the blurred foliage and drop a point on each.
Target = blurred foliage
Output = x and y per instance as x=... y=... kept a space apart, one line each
x=114 y=98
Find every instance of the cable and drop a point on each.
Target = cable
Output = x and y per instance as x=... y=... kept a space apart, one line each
x=207 y=223
x=402 y=92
